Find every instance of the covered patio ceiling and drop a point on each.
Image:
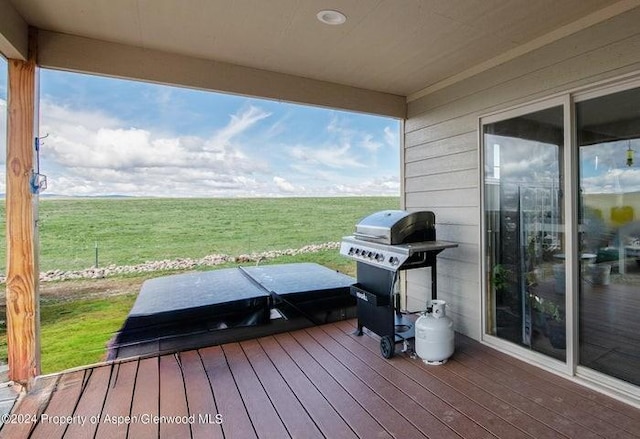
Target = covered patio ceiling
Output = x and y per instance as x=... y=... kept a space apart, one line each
x=387 y=52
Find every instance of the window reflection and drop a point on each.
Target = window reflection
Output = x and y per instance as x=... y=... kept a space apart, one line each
x=525 y=231
x=608 y=132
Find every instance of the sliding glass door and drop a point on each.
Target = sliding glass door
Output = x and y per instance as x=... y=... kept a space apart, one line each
x=561 y=233
x=524 y=238
x=608 y=138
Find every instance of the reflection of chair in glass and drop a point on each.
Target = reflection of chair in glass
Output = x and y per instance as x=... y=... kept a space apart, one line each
x=624 y=245
x=595 y=234
x=614 y=243
x=595 y=239
x=629 y=243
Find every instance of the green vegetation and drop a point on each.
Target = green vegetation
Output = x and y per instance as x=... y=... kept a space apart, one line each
x=132 y=230
x=79 y=317
x=76 y=333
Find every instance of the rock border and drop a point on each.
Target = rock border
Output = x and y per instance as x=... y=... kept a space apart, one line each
x=177 y=264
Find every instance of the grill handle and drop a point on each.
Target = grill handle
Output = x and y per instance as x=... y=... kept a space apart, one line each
x=368 y=236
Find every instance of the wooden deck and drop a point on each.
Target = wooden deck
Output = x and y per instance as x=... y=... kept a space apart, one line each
x=319 y=382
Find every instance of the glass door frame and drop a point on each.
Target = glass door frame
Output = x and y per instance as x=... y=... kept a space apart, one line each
x=614 y=386
x=605 y=383
x=571 y=274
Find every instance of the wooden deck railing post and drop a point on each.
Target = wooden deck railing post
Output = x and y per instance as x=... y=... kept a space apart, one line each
x=23 y=317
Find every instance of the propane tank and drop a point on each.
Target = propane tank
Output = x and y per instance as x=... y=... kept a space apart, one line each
x=434 y=335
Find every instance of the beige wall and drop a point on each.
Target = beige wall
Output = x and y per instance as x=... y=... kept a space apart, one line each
x=68 y=52
x=13 y=33
x=441 y=166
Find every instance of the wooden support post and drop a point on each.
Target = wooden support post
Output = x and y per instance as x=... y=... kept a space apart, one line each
x=23 y=315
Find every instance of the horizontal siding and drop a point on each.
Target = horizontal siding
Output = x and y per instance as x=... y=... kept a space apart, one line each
x=466 y=197
x=453 y=288
x=553 y=79
x=445 y=147
x=441 y=159
x=462 y=253
x=444 y=130
x=602 y=36
x=460 y=233
x=442 y=180
x=450 y=163
x=467 y=216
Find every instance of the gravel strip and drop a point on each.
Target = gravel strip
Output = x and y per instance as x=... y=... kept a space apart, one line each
x=177 y=264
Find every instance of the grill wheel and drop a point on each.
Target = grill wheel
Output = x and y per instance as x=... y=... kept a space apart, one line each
x=387 y=347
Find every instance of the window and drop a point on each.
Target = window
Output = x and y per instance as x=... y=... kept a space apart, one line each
x=524 y=232
x=608 y=136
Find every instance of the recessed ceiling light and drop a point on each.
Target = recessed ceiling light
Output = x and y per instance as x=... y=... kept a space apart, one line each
x=331 y=17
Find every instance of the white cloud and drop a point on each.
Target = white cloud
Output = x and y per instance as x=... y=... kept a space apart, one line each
x=238 y=124
x=284 y=185
x=612 y=181
x=387 y=186
x=62 y=116
x=332 y=157
x=369 y=144
x=93 y=153
x=101 y=155
x=391 y=137
x=177 y=182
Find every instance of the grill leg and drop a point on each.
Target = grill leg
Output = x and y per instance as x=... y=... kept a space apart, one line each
x=358 y=332
x=434 y=282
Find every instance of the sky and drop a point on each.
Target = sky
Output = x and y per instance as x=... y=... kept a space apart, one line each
x=104 y=136
x=603 y=167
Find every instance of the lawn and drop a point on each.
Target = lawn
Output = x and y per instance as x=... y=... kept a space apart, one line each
x=132 y=230
x=78 y=318
x=75 y=333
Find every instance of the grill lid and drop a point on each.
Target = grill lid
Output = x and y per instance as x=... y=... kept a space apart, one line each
x=397 y=227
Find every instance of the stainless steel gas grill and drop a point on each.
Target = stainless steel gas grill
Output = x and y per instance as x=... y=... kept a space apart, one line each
x=383 y=244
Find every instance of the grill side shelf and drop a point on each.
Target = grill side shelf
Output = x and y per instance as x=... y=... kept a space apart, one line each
x=366 y=296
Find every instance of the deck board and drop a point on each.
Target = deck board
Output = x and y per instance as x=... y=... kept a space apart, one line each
x=263 y=415
x=290 y=410
x=31 y=408
x=123 y=380
x=544 y=393
x=200 y=399
x=236 y=421
x=328 y=420
x=146 y=396
x=393 y=421
x=459 y=399
x=90 y=404
x=547 y=423
x=387 y=388
x=357 y=417
x=174 y=412
x=63 y=403
x=446 y=413
x=565 y=421
x=601 y=401
x=322 y=382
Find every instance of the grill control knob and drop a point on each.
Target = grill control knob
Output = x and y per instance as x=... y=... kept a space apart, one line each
x=393 y=260
x=379 y=257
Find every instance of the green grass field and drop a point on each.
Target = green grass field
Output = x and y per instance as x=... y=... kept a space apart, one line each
x=129 y=231
x=77 y=318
